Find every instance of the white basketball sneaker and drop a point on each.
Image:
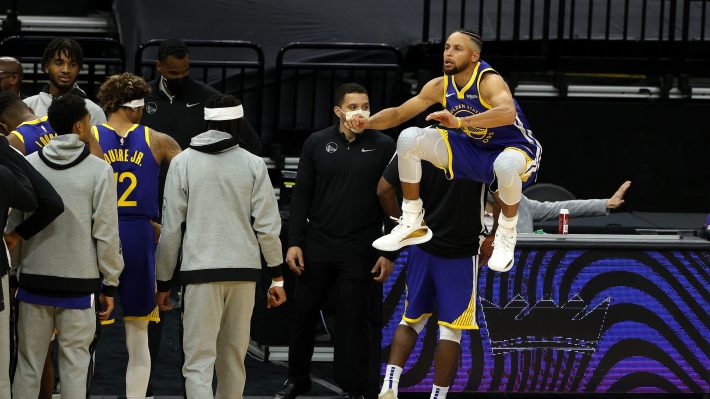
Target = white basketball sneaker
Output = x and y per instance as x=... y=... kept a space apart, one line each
x=389 y=394
x=504 y=245
x=410 y=230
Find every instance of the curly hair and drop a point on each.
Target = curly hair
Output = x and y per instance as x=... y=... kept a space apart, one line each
x=120 y=89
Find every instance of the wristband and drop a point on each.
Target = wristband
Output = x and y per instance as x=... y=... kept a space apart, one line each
x=276 y=284
x=459 y=123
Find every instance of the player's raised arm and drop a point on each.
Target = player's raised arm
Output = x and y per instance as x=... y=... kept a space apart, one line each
x=431 y=93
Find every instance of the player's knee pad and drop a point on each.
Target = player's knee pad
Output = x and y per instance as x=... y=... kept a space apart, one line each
x=408 y=143
x=418 y=326
x=508 y=167
x=449 y=334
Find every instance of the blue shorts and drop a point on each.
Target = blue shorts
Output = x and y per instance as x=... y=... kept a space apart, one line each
x=470 y=160
x=451 y=284
x=136 y=285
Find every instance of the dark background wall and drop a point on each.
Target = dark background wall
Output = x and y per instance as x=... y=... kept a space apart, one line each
x=592 y=146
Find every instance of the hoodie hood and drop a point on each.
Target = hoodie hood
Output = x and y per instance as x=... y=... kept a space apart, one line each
x=213 y=141
x=64 y=151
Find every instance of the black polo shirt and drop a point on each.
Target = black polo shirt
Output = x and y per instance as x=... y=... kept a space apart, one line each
x=183 y=116
x=334 y=204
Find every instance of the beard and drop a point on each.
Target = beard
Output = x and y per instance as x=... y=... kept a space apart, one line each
x=453 y=69
x=59 y=84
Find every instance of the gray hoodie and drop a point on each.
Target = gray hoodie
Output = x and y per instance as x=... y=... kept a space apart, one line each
x=71 y=254
x=217 y=188
x=40 y=104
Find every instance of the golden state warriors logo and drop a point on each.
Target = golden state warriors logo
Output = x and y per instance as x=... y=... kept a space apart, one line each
x=462 y=111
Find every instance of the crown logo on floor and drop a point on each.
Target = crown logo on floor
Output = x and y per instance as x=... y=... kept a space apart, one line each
x=545 y=325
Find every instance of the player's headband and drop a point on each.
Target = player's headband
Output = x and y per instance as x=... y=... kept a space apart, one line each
x=224 y=114
x=134 y=104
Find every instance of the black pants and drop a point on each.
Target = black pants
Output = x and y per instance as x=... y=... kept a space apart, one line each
x=350 y=277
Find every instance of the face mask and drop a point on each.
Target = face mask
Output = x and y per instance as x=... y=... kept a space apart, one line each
x=175 y=86
x=349 y=115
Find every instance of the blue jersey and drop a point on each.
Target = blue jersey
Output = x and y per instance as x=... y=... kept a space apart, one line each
x=34 y=134
x=467 y=102
x=135 y=169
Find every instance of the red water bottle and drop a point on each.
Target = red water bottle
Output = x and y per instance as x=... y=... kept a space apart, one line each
x=564 y=221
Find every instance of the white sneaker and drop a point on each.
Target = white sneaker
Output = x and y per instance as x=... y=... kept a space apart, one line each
x=389 y=394
x=503 y=249
x=410 y=230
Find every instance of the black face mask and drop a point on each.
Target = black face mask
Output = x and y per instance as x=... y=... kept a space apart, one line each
x=176 y=86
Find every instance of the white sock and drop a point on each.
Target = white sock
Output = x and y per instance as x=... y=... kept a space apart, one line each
x=507 y=222
x=391 y=382
x=138 y=369
x=412 y=206
x=438 y=392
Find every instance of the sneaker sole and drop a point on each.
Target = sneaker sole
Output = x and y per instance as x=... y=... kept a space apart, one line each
x=504 y=269
x=404 y=243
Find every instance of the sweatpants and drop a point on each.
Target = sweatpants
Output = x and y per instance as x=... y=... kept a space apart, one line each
x=75 y=331
x=216 y=323
x=5 y=340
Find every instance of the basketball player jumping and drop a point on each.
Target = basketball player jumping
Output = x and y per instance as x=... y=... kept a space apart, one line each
x=135 y=152
x=482 y=135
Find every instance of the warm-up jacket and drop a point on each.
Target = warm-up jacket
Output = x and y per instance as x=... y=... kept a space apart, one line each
x=40 y=104
x=224 y=196
x=70 y=255
x=49 y=204
x=15 y=192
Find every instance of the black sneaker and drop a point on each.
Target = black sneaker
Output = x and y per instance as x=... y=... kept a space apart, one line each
x=292 y=389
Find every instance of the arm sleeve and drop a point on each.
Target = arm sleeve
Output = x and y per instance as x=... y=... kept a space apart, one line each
x=265 y=213
x=105 y=230
x=18 y=191
x=174 y=214
x=302 y=196
x=391 y=173
x=49 y=203
x=252 y=141
x=577 y=208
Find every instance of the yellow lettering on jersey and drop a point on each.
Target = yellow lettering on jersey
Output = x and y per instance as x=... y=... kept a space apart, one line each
x=122 y=155
x=137 y=158
x=45 y=139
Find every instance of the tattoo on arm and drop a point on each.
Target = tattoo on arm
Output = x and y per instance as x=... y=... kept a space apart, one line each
x=164 y=147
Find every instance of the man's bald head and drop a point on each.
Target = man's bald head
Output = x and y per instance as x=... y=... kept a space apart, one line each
x=10 y=75
x=10 y=64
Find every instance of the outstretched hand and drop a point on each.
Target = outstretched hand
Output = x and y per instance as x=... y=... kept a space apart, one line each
x=617 y=199
x=358 y=122
x=445 y=118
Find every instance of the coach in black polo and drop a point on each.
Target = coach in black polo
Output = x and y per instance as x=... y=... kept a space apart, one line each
x=335 y=215
x=176 y=104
